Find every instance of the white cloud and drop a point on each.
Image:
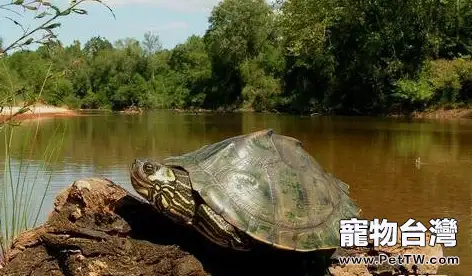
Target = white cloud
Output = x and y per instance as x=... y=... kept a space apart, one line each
x=179 y=5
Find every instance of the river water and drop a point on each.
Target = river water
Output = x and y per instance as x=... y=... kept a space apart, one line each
x=376 y=157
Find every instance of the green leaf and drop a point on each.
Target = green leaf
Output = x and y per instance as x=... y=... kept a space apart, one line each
x=18 y=2
x=28 y=42
x=52 y=26
x=46 y=4
x=41 y=15
x=66 y=12
x=80 y=11
x=58 y=11
x=30 y=7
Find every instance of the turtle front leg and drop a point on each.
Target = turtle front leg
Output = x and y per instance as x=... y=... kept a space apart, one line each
x=216 y=229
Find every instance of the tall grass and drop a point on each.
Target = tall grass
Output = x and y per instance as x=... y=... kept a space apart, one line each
x=25 y=182
x=22 y=198
x=18 y=209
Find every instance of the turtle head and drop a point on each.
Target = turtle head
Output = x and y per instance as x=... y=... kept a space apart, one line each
x=147 y=177
x=165 y=187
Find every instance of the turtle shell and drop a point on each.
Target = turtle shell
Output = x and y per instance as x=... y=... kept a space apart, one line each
x=268 y=186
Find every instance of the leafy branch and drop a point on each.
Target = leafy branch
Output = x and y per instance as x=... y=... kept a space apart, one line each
x=51 y=11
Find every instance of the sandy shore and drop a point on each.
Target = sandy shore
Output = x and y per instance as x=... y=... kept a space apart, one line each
x=36 y=112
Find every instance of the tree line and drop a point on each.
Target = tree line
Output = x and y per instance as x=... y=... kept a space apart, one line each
x=326 y=56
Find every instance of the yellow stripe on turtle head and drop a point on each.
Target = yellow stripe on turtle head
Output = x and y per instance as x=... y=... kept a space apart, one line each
x=163 y=174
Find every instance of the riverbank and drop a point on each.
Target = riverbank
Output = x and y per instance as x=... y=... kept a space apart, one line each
x=37 y=111
x=457 y=113
x=442 y=113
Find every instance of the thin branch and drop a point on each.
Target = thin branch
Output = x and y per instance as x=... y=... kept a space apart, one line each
x=6 y=5
x=11 y=10
x=16 y=23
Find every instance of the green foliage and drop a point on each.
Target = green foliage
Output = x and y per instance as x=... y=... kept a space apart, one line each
x=413 y=93
x=261 y=92
x=444 y=82
x=192 y=68
x=440 y=83
x=341 y=56
x=9 y=81
x=96 y=45
x=238 y=31
x=451 y=29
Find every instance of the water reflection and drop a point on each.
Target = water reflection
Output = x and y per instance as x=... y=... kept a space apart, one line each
x=375 y=156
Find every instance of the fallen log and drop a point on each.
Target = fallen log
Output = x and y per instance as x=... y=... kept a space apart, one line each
x=99 y=228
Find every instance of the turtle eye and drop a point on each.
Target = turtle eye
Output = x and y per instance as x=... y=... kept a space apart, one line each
x=148 y=168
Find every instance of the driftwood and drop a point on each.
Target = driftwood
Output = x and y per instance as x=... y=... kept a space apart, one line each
x=98 y=228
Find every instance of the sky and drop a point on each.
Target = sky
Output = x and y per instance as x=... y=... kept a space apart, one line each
x=172 y=20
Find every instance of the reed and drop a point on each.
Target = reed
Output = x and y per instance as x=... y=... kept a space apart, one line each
x=26 y=183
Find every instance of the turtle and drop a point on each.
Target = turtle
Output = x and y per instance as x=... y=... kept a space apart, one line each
x=259 y=187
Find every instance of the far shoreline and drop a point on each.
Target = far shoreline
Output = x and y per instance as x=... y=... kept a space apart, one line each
x=40 y=111
x=439 y=113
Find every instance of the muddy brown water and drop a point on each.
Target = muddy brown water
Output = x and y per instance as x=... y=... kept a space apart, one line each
x=375 y=156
